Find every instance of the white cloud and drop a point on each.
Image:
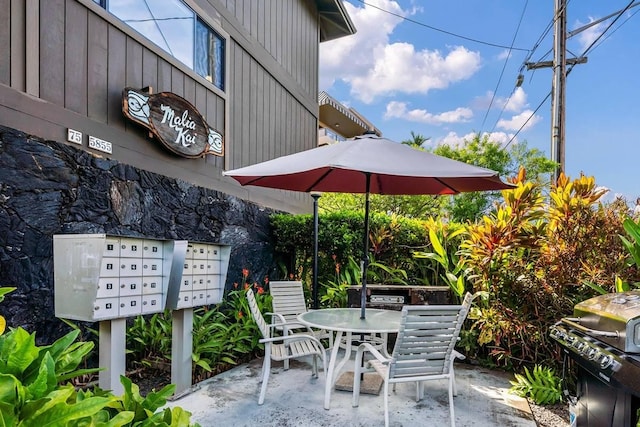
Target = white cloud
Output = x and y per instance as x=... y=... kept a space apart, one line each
x=588 y=36
x=397 y=109
x=516 y=103
x=374 y=67
x=524 y=120
x=453 y=139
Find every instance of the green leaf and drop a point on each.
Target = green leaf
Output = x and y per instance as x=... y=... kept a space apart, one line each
x=17 y=351
x=11 y=390
x=7 y=415
x=437 y=246
x=61 y=413
x=121 y=419
x=45 y=381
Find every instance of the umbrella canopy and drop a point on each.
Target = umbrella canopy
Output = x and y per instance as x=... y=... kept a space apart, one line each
x=369 y=164
x=395 y=169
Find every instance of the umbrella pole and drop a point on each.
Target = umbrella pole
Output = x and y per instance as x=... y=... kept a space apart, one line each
x=365 y=256
x=315 y=196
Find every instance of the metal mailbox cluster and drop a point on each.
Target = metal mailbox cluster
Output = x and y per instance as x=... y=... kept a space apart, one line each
x=203 y=276
x=101 y=277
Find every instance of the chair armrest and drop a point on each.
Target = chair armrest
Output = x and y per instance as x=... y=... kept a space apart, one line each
x=457 y=355
x=281 y=320
x=289 y=338
x=371 y=349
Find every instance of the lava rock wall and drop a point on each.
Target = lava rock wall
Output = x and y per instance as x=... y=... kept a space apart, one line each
x=49 y=188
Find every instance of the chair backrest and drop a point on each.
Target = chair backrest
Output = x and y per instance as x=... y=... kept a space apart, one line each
x=257 y=314
x=426 y=339
x=287 y=299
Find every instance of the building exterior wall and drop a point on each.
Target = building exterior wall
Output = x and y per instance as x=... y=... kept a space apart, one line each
x=69 y=60
x=64 y=65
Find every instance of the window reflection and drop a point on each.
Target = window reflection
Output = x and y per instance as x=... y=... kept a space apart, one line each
x=209 y=54
x=173 y=26
x=167 y=23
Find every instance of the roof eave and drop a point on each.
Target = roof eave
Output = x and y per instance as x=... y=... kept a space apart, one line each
x=334 y=20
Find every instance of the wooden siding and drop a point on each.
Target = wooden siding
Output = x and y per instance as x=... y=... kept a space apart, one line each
x=287 y=30
x=5 y=39
x=85 y=57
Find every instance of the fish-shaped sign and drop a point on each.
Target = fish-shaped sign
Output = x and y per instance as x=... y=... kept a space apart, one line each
x=174 y=121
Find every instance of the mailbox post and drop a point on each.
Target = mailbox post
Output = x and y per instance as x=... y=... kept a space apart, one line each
x=98 y=277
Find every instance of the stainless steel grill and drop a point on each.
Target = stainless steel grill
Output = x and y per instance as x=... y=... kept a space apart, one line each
x=603 y=339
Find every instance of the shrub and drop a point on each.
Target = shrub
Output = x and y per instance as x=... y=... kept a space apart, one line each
x=541 y=385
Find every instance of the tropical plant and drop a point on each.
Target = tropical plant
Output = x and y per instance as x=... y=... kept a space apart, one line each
x=479 y=150
x=149 y=338
x=335 y=291
x=541 y=385
x=33 y=390
x=218 y=342
x=453 y=268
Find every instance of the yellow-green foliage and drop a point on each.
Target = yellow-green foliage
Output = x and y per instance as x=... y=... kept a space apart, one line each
x=533 y=255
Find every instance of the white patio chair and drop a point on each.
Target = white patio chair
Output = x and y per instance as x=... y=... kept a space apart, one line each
x=283 y=348
x=287 y=300
x=424 y=350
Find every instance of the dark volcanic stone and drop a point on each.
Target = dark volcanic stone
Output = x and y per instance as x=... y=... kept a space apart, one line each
x=49 y=188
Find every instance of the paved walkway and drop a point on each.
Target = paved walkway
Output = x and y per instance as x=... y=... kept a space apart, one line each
x=295 y=399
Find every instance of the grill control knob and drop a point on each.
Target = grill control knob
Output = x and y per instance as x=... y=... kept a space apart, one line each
x=592 y=353
x=606 y=361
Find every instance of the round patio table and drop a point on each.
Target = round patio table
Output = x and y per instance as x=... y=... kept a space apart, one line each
x=345 y=322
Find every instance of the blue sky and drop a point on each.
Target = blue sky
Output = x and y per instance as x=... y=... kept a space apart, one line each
x=404 y=76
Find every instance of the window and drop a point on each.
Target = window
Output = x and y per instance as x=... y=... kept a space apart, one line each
x=173 y=26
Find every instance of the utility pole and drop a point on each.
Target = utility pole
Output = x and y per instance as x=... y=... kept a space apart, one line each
x=558 y=87
x=559 y=65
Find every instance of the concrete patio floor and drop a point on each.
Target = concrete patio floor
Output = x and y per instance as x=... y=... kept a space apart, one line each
x=294 y=399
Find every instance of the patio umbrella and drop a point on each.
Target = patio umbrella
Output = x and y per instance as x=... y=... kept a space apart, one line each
x=369 y=164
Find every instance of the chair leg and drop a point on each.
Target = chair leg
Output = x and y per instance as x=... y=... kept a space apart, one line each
x=266 y=370
x=386 y=401
x=356 y=380
x=454 y=356
x=314 y=366
x=451 y=412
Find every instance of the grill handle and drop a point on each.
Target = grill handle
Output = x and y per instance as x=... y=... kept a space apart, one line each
x=574 y=322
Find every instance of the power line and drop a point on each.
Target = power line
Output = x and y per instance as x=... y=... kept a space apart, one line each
x=527 y=121
x=493 y=96
x=604 y=31
x=422 y=24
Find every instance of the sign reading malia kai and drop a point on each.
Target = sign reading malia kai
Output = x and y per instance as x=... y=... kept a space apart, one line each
x=173 y=121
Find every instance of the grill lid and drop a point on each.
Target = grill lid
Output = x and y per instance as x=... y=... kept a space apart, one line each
x=613 y=318
x=621 y=307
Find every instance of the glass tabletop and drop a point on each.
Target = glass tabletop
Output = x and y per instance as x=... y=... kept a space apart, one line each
x=348 y=320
